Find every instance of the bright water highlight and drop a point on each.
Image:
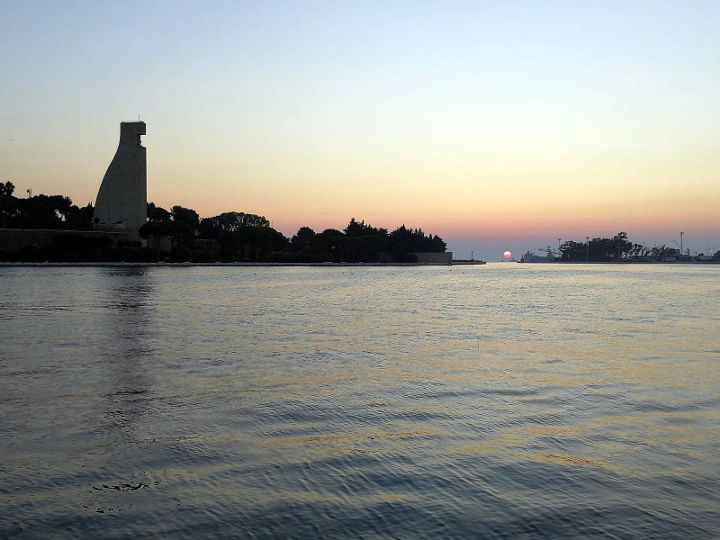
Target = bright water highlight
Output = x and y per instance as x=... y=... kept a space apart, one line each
x=505 y=401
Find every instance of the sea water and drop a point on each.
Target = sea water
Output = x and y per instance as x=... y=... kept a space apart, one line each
x=498 y=401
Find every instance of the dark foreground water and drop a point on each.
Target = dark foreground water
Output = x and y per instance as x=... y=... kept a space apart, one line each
x=505 y=401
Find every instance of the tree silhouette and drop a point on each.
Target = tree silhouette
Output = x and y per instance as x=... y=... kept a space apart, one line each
x=6 y=198
x=303 y=238
x=229 y=222
x=601 y=249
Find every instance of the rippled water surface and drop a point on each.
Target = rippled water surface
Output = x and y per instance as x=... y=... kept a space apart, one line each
x=504 y=401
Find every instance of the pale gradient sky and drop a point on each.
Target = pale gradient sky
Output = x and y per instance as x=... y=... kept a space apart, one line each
x=494 y=124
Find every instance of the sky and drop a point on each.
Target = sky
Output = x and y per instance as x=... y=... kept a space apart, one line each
x=497 y=125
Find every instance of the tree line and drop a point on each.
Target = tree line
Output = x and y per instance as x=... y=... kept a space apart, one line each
x=233 y=236
x=42 y=211
x=611 y=249
x=229 y=236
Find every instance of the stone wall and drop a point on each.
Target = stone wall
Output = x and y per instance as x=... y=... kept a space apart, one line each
x=416 y=257
x=433 y=257
x=12 y=240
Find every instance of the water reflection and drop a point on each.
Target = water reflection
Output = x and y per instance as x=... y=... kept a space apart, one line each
x=126 y=346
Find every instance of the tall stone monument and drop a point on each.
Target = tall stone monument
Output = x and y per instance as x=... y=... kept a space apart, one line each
x=121 y=204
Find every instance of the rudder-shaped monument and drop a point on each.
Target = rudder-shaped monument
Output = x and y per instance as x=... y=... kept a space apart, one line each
x=121 y=203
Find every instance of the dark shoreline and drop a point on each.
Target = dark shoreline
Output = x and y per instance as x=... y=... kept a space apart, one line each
x=187 y=264
x=321 y=265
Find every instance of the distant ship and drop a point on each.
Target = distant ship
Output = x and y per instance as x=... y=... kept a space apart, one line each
x=530 y=257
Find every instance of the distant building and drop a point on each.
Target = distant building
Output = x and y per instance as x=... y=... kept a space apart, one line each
x=121 y=204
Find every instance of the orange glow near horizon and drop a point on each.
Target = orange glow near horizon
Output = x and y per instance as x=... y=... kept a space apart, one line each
x=489 y=204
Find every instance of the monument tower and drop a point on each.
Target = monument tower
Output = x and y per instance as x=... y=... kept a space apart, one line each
x=121 y=203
